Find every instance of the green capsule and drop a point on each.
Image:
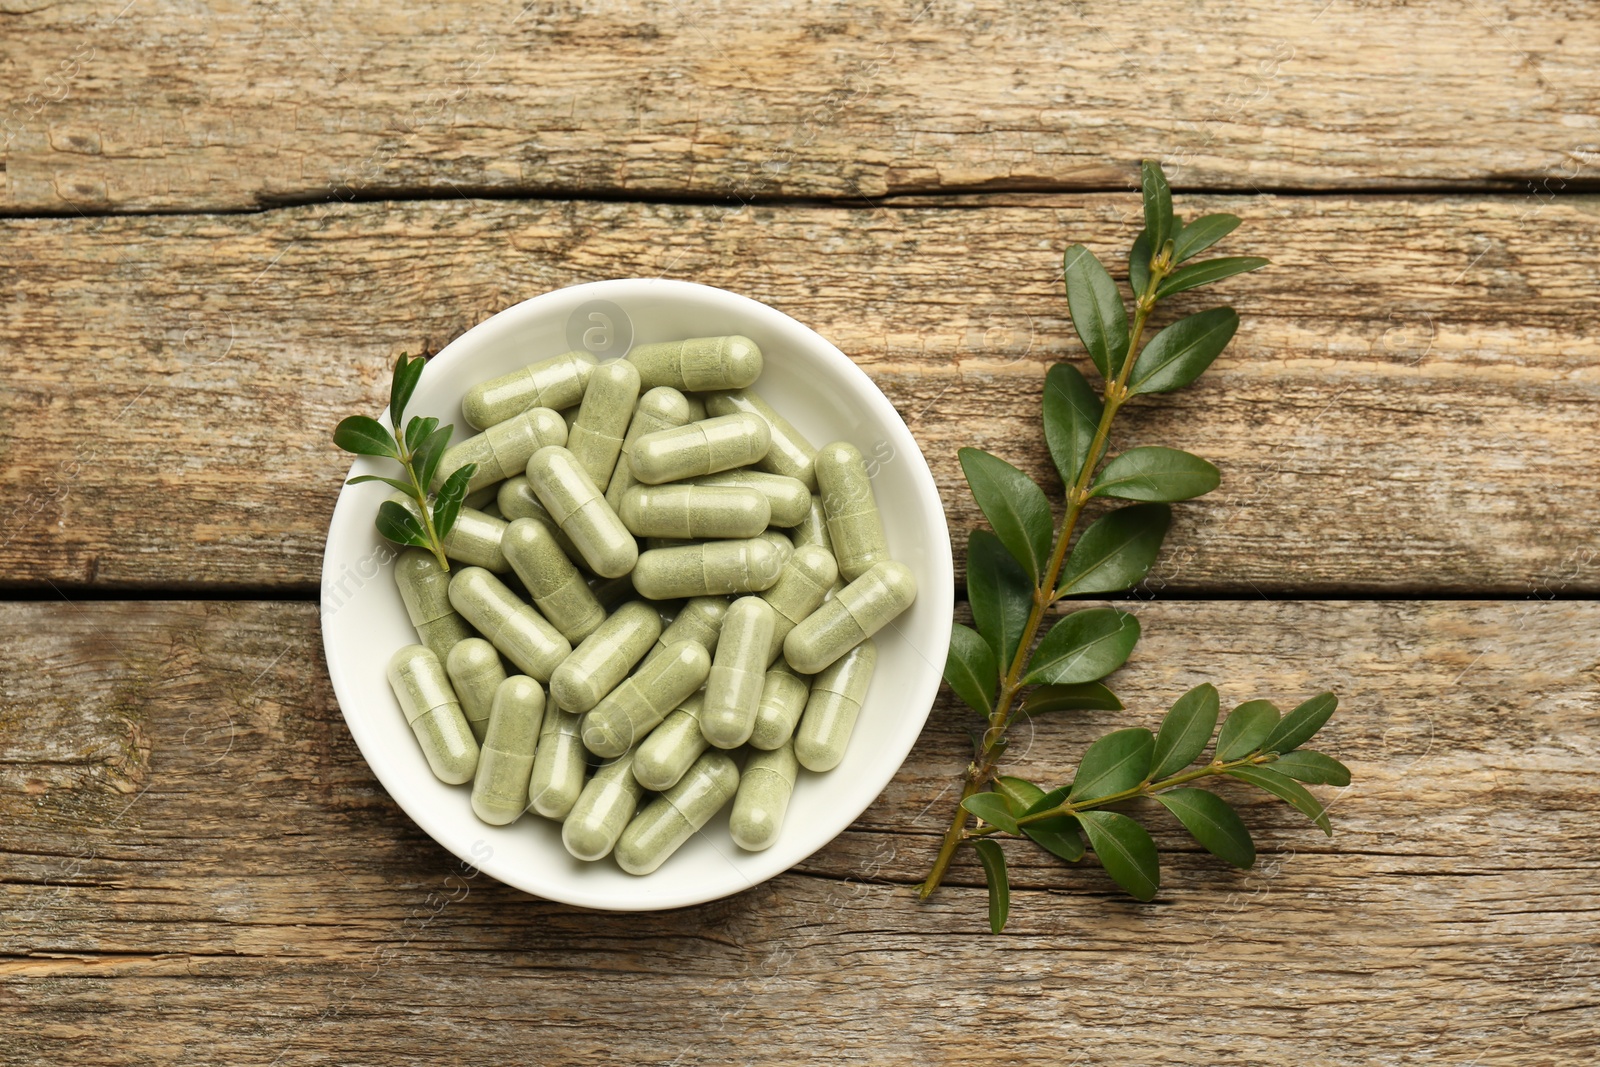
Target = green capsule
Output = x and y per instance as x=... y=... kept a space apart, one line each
x=708 y=569
x=783 y=698
x=633 y=708
x=574 y=501
x=787 y=498
x=516 y=629
x=733 y=688
x=860 y=610
x=830 y=716
x=664 y=756
x=483 y=499
x=430 y=706
x=699 y=448
x=473 y=540
x=661 y=408
x=500 y=788
x=425 y=588
x=475 y=674
x=603 y=811
x=554 y=383
x=697 y=407
x=603 y=419
x=780 y=541
x=558 y=766
x=854 y=525
x=678 y=814
x=557 y=589
x=694 y=511
x=517 y=500
x=791 y=454
x=801 y=587
x=811 y=530
x=700 y=621
x=503 y=449
x=763 y=798
x=698 y=364
x=605 y=657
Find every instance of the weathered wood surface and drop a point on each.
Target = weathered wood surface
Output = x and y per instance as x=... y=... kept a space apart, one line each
x=147 y=106
x=197 y=864
x=1411 y=404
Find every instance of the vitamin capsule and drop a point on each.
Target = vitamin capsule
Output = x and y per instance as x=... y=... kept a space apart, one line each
x=801 y=587
x=517 y=500
x=707 y=569
x=854 y=526
x=475 y=674
x=663 y=757
x=830 y=716
x=694 y=511
x=784 y=547
x=425 y=588
x=603 y=811
x=860 y=610
x=678 y=814
x=661 y=408
x=557 y=589
x=574 y=501
x=698 y=364
x=500 y=788
x=430 y=706
x=699 y=448
x=791 y=454
x=633 y=708
x=597 y=433
x=605 y=657
x=558 y=766
x=554 y=383
x=763 y=798
x=811 y=530
x=733 y=688
x=503 y=449
x=700 y=621
x=473 y=540
x=783 y=698
x=787 y=499
x=518 y=631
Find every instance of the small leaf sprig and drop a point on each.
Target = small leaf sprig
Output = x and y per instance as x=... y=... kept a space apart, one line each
x=418 y=450
x=1017 y=572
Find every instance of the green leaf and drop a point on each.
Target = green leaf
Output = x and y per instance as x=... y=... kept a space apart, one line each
x=1286 y=788
x=1097 y=311
x=406 y=373
x=1314 y=767
x=1301 y=724
x=992 y=809
x=1000 y=593
x=1139 y=262
x=399 y=525
x=1207 y=271
x=418 y=429
x=1016 y=507
x=1156 y=474
x=1084 y=696
x=1185 y=730
x=1117 y=551
x=1060 y=837
x=1214 y=824
x=365 y=436
x=1201 y=234
x=1245 y=728
x=447 y=504
x=1117 y=762
x=425 y=458
x=970 y=668
x=404 y=487
x=1084 y=647
x=1158 y=221
x=994 y=873
x=1071 y=413
x=1052 y=799
x=1125 y=851
x=1020 y=794
x=1181 y=353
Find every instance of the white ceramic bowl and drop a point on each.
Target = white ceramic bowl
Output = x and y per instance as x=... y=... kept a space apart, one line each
x=827 y=398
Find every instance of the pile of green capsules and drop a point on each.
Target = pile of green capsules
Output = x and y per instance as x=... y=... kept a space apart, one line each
x=613 y=497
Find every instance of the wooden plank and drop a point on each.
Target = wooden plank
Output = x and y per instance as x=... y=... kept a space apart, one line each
x=165 y=107
x=1409 y=406
x=197 y=862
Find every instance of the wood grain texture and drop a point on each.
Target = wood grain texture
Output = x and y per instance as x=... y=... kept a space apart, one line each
x=230 y=105
x=1410 y=405
x=197 y=863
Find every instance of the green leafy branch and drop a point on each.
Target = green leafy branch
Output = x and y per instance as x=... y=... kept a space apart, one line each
x=1018 y=572
x=418 y=451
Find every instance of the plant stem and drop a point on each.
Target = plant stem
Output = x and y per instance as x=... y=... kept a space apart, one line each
x=421 y=495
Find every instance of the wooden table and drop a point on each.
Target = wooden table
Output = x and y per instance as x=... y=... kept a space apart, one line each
x=221 y=223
